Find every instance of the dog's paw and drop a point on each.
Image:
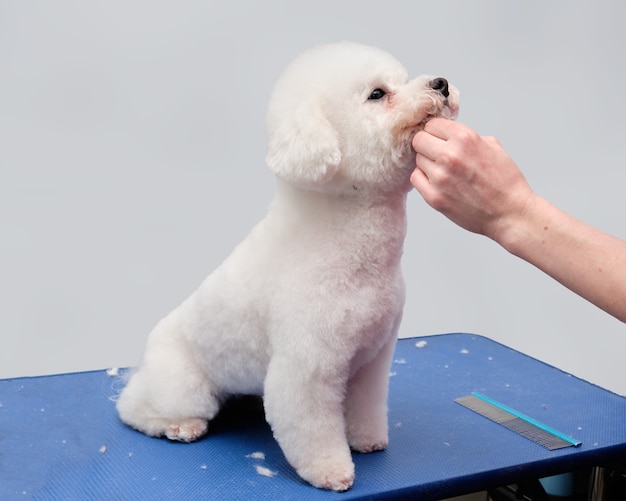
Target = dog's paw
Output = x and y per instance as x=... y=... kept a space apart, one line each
x=331 y=475
x=365 y=445
x=370 y=436
x=186 y=430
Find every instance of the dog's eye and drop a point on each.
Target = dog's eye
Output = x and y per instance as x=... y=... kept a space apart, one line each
x=376 y=94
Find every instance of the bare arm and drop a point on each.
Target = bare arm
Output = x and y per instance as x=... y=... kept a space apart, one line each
x=474 y=182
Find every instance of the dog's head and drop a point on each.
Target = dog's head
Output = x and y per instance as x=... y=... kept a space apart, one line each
x=342 y=117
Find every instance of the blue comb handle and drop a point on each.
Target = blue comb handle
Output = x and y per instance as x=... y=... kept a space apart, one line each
x=528 y=419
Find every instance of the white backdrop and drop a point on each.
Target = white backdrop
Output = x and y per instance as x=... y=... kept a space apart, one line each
x=132 y=149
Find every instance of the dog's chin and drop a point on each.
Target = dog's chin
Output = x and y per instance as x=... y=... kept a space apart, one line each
x=446 y=111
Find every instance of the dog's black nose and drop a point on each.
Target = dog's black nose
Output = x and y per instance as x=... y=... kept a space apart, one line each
x=440 y=85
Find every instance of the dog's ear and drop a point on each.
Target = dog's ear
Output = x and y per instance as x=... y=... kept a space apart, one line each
x=303 y=147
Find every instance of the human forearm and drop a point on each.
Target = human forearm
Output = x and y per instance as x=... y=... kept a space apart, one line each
x=473 y=181
x=584 y=259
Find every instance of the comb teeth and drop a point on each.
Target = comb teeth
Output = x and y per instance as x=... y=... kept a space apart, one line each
x=517 y=422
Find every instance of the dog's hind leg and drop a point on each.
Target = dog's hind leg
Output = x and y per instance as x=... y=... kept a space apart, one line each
x=169 y=395
x=304 y=405
x=143 y=406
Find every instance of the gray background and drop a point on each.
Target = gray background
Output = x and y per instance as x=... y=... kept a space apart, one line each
x=132 y=149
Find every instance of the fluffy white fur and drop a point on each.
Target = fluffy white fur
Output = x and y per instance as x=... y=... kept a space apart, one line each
x=305 y=311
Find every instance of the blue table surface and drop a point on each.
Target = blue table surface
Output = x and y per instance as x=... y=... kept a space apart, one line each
x=60 y=437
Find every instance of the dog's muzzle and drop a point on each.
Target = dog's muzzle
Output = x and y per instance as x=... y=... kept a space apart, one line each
x=449 y=103
x=441 y=86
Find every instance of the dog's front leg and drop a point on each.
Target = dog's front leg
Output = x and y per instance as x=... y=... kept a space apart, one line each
x=304 y=405
x=366 y=402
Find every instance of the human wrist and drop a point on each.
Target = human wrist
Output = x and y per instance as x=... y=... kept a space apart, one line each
x=517 y=230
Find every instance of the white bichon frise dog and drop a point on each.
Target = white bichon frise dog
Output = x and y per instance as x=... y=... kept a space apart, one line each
x=305 y=311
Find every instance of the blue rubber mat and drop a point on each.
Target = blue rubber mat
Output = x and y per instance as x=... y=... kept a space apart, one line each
x=60 y=437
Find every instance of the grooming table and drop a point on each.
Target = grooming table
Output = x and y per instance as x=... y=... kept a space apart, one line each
x=60 y=437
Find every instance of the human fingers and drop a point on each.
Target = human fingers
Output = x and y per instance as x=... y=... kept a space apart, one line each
x=419 y=180
x=427 y=145
x=443 y=128
x=430 y=192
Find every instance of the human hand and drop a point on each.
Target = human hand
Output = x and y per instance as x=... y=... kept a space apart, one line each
x=469 y=178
